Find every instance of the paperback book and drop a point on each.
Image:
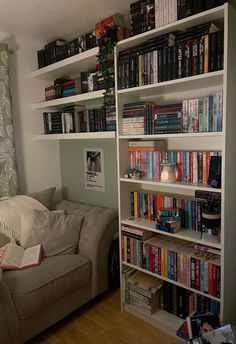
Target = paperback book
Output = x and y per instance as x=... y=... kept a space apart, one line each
x=15 y=257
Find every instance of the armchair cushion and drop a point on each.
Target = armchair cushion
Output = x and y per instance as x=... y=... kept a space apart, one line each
x=44 y=197
x=57 y=233
x=10 y=211
x=35 y=288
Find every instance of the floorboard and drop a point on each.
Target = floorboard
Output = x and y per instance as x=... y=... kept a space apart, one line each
x=101 y=322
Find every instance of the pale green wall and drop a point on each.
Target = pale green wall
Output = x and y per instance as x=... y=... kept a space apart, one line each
x=72 y=172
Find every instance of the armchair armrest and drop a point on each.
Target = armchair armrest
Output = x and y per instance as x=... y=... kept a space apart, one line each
x=9 y=326
x=95 y=241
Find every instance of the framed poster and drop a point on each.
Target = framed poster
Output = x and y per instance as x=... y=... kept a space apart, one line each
x=94 y=169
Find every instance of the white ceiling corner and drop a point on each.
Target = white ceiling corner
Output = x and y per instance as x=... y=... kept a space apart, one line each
x=46 y=20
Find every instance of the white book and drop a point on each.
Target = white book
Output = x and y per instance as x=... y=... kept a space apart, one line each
x=166 y=12
x=206 y=114
x=157 y=13
x=15 y=257
x=172 y=11
x=155 y=66
x=219 y=110
x=185 y=116
x=190 y=115
x=161 y=9
x=214 y=115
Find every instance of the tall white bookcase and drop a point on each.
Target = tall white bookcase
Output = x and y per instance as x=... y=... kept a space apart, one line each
x=177 y=90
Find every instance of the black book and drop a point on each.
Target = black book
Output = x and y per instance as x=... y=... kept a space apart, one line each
x=84 y=81
x=210 y=4
x=195 y=56
x=174 y=62
x=220 y=50
x=160 y=65
x=214 y=178
x=188 y=57
x=169 y=62
x=180 y=59
x=41 y=58
x=188 y=8
x=181 y=5
x=165 y=64
x=212 y=52
x=47 y=129
x=201 y=54
x=198 y=6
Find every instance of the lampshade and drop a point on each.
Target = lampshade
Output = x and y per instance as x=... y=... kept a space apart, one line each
x=168 y=173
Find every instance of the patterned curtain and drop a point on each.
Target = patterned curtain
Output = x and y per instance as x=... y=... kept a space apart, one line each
x=8 y=173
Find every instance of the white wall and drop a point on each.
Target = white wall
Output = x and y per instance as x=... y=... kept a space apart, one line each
x=38 y=162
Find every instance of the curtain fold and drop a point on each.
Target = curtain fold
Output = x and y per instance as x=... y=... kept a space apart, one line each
x=8 y=171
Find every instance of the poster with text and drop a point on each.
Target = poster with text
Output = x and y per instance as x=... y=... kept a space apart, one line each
x=94 y=169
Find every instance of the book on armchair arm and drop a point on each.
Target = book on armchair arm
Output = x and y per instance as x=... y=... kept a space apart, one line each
x=15 y=257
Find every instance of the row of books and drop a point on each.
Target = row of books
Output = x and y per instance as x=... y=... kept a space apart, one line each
x=150 y=294
x=182 y=302
x=76 y=119
x=190 y=116
x=201 y=114
x=60 y=49
x=174 y=260
x=146 y=15
x=146 y=205
x=93 y=81
x=62 y=88
x=142 y=16
x=172 y=56
x=194 y=167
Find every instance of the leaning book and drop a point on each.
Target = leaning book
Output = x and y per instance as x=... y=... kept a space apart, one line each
x=14 y=257
x=221 y=335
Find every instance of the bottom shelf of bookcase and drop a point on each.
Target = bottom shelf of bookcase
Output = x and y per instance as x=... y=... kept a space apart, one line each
x=161 y=319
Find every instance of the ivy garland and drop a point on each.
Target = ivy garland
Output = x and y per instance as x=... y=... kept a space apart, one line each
x=106 y=43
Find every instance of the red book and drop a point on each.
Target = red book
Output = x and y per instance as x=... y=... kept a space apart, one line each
x=210 y=279
x=214 y=280
x=149 y=207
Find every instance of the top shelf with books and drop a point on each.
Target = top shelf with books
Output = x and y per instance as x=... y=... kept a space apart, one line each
x=70 y=66
x=214 y=14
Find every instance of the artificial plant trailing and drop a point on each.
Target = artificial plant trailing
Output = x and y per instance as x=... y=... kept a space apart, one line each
x=106 y=43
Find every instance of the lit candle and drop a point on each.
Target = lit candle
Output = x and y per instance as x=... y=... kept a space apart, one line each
x=168 y=173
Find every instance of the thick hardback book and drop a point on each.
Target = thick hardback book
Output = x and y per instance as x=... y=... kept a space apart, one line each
x=15 y=257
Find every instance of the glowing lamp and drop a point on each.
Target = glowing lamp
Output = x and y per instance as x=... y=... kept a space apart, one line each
x=168 y=173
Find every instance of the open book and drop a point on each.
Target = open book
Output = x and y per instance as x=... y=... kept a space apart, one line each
x=13 y=256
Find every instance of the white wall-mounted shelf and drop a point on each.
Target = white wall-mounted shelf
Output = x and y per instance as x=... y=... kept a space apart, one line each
x=70 y=66
x=77 y=136
x=183 y=234
x=197 y=19
x=80 y=99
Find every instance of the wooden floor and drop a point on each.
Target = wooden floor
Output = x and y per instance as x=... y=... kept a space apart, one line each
x=101 y=322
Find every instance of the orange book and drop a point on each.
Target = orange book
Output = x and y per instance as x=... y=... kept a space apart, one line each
x=206 y=53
